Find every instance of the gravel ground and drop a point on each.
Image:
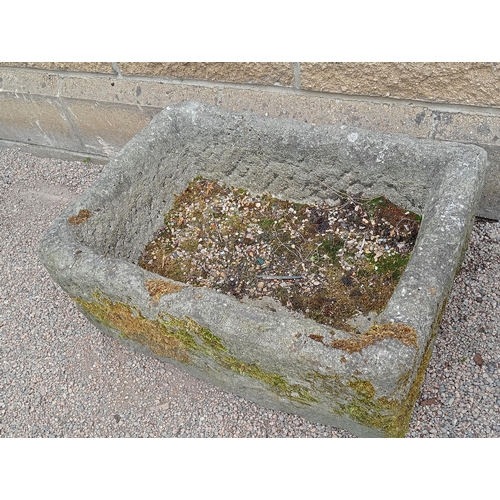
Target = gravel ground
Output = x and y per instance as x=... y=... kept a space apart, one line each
x=61 y=377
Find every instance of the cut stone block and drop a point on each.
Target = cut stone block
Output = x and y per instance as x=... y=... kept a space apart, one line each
x=367 y=383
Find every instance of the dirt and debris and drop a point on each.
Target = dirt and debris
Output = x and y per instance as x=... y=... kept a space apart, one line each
x=328 y=262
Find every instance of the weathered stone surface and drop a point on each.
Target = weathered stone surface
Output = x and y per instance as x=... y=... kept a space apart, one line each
x=414 y=120
x=104 y=128
x=35 y=120
x=55 y=91
x=89 y=67
x=456 y=82
x=142 y=93
x=265 y=353
x=20 y=81
x=242 y=72
x=417 y=121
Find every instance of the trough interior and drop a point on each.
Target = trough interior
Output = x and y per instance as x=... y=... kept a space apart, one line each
x=313 y=164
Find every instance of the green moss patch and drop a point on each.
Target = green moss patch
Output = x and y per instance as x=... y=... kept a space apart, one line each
x=274 y=381
x=175 y=338
x=166 y=336
x=391 y=416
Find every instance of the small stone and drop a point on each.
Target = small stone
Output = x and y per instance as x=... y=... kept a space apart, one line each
x=429 y=401
x=478 y=359
x=260 y=285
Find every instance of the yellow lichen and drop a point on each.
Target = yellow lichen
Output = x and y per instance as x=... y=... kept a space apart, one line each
x=157 y=288
x=179 y=338
x=82 y=217
x=173 y=337
x=404 y=333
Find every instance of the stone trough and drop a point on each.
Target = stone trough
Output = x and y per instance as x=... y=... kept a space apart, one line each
x=258 y=349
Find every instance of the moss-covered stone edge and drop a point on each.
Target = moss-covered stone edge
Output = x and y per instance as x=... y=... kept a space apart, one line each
x=180 y=338
x=392 y=416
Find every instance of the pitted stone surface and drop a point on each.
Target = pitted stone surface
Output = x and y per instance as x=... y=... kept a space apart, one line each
x=261 y=352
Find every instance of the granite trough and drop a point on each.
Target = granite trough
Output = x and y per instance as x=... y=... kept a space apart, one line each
x=258 y=349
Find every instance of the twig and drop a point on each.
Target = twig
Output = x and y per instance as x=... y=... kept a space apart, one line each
x=221 y=239
x=299 y=256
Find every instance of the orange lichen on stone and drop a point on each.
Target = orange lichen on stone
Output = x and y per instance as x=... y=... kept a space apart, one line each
x=82 y=217
x=404 y=333
x=157 y=288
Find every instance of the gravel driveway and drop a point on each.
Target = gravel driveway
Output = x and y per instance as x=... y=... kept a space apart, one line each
x=61 y=377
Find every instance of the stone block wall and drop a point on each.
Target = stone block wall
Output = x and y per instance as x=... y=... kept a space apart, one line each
x=92 y=109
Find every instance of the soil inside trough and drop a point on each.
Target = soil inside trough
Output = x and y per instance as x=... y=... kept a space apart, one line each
x=328 y=262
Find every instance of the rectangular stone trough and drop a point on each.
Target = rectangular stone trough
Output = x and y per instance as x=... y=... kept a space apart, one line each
x=261 y=351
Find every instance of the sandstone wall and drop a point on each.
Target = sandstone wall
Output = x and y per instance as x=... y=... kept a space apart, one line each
x=93 y=109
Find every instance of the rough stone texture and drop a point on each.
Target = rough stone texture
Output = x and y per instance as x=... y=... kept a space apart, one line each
x=412 y=120
x=460 y=83
x=89 y=67
x=141 y=93
x=475 y=129
x=259 y=352
x=22 y=81
x=417 y=121
x=242 y=72
x=35 y=120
